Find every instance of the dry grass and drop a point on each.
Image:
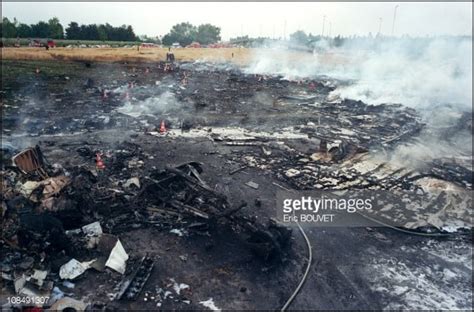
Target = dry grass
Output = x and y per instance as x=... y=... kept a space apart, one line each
x=241 y=56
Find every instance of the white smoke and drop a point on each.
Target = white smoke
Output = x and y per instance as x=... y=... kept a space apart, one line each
x=432 y=75
x=163 y=103
x=439 y=72
x=418 y=73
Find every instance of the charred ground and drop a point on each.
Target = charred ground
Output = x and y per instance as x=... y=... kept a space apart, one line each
x=276 y=133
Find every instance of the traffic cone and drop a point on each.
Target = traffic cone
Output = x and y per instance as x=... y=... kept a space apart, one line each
x=162 y=127
x=99 y=163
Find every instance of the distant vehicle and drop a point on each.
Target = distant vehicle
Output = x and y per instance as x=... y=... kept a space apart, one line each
x=176 y=45
x=51 y=43
x=41 y=43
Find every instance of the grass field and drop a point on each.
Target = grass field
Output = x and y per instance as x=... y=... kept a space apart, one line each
x=240 y=56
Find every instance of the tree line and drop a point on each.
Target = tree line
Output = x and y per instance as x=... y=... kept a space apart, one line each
x=183 y=33
x=186 y=33
x=53 y=29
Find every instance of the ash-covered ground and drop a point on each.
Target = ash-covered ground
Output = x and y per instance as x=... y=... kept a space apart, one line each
x=208 y=225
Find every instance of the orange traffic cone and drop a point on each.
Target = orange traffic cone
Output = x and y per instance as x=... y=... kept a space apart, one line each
x=162 y=127
x=99 y=163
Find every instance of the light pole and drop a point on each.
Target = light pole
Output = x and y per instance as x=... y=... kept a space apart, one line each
x=324 y=21
x=394 y=17
x=380 y=26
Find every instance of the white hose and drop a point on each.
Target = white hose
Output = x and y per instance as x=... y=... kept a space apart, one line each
x=305 y=275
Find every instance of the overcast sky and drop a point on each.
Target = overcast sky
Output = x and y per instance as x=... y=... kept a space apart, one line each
x=255 y=19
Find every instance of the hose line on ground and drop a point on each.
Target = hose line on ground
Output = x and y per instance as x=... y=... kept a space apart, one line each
x=305 y=275
x=411 y=232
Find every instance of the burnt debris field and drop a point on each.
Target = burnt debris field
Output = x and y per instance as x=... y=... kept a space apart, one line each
x=153 y=186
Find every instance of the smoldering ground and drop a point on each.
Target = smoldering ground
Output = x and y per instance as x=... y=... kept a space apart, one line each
x=432 y=75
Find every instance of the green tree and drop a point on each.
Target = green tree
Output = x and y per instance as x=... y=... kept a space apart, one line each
x=102 y=30
x=207 y=33
x=8 y=28
x=184 y=33
x=56 y=30
x=167 y=40
x=73 y=31
x=23 y=31
x=40 y=30
x=299 y=37
x=338 y=41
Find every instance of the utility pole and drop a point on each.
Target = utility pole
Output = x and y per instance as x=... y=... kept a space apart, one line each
x=284 y=31
x=241 y=30
x=330 y=26
x=380 y=26
x=394 y=17
x=324 y=21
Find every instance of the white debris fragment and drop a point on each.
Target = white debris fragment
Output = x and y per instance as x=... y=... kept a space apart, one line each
x=92 y=229
x=292 y=172
x=132 y=181
x=177 y=287
x=28 y=187
x=73 y=269
x=93 y=233
x=177 y=232
x=210 y=304
x=118 y=258
x=252 y=185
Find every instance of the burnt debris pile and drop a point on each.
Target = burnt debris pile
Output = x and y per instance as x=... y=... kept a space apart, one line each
x=60 y=220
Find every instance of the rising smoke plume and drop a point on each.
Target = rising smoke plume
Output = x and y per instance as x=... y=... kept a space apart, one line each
x=432 y=75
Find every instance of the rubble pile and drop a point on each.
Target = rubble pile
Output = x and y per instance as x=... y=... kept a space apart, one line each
x=60 y=221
